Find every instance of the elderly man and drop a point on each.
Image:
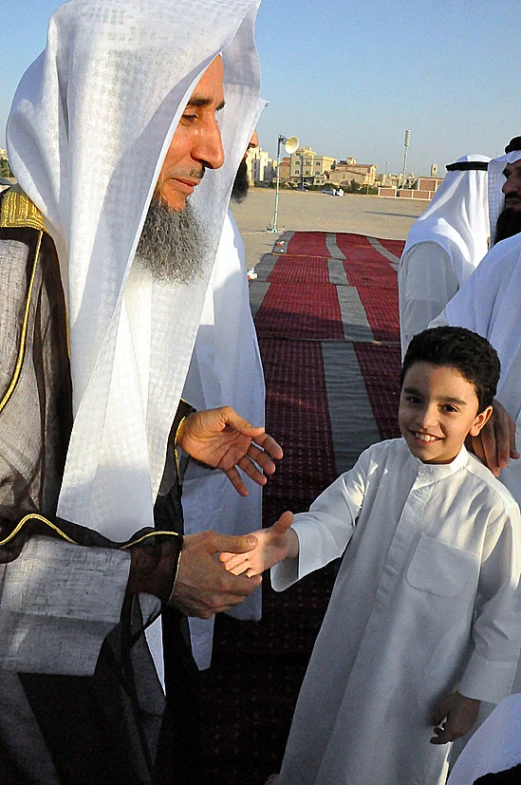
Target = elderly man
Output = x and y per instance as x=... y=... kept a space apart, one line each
x=444 y=245
x=111 y=130
x=226 y=367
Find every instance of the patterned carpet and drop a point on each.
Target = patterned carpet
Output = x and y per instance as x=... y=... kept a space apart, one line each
x=328 y=397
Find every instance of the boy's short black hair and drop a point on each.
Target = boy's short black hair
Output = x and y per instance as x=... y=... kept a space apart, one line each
x=462 y=349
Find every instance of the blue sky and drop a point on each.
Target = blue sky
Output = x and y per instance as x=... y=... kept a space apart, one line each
x=349 y=77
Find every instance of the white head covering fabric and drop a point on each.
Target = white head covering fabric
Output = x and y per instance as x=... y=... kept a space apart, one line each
x=89 y=128
x=457 y=219
x=496 y=179
x=495 y=746
x=226 y=368
x=489 y=305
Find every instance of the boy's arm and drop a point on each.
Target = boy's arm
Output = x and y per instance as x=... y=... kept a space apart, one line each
x=324 y=532
x=496 y=631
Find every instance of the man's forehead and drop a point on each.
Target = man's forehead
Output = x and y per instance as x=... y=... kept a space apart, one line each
x=515 y=166
x=209 y=90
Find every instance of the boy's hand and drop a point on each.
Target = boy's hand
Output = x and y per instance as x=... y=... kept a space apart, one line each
x=454 y=716
x=275 y=544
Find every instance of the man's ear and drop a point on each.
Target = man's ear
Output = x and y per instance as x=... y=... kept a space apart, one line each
x=481 y=419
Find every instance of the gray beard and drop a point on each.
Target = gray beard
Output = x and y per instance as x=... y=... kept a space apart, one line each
x=171 y=246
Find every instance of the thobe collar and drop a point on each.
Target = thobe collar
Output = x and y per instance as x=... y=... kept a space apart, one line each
x=428 y=473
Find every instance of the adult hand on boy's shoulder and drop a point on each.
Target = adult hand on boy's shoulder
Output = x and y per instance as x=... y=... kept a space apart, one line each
x=496 y=443
x=453 y=716
x=274 y=544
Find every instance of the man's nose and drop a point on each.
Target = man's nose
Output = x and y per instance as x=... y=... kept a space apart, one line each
x=511 y=186
x=208 y=149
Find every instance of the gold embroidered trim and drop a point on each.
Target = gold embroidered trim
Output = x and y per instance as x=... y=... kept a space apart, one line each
x=36 y=517
x=17 y=211
x=23 y=336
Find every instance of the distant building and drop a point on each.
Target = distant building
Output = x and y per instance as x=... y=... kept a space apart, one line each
x=347 y=170
x=3 y=153
x=308 y=167
x=285 y=170
x=261 y=168
x=424 y=188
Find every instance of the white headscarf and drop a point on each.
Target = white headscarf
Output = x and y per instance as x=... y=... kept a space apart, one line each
x=90 y=125
x=489 y=305
x=457 y=219
x=496 y=179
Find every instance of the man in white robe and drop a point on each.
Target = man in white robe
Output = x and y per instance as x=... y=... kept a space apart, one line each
x=95 y=351
x=444 y=245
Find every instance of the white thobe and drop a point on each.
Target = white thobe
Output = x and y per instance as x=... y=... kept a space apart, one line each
x=489 y=305
x=424 y=602
x=226 y=369
x=444 y=246
x=426 y=283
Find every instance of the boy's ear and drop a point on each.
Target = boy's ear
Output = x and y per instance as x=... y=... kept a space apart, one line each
x=481 y=419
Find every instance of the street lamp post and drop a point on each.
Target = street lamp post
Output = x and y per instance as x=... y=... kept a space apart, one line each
x=291 y=145
x=406 y=145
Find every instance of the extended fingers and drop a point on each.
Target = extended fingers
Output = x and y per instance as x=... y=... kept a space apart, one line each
x=270 y=446
x=236 y=480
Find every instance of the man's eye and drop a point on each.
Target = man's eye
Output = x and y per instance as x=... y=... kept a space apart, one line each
x=189 y=117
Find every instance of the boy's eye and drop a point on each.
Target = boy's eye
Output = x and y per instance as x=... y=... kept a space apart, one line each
x=450 y=408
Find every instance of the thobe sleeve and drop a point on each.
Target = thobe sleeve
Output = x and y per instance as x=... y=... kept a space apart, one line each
x=326 y=529
x=427 y=282
x=496 y=632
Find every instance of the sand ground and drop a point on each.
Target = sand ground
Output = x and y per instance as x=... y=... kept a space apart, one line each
x=314 y=211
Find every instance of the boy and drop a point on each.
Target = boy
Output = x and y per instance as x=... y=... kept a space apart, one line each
x=424 y=619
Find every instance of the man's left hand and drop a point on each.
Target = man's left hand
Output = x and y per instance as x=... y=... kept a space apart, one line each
x=222 y=439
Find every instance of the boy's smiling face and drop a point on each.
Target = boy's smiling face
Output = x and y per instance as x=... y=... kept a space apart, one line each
x=438 y=409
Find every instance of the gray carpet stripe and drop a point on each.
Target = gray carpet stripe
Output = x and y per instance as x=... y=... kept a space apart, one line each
x=354 y=318
x=266 y=265
x=337 y=273
x=395 y=260
x=258 y=290
x=332 y=247
x=352 y=421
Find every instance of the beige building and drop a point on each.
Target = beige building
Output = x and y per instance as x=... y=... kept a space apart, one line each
x=261 y=168
x=308 y=167
x=347 y=170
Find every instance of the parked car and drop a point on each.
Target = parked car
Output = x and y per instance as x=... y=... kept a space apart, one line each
x=328 y=191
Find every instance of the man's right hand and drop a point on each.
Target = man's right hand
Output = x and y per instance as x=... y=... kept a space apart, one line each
x=496 y=443
x=203 y=586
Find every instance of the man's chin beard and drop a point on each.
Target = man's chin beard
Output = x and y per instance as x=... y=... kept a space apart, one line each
x=171 y=246
x=508 y=224
x=240 y=184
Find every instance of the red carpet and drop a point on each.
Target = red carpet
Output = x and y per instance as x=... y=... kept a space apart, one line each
x=308 y=243
x=300 y=269
x=250 y=691
x=300 y=312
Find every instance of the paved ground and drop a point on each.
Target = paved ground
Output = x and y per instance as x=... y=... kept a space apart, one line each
x=302 y=211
